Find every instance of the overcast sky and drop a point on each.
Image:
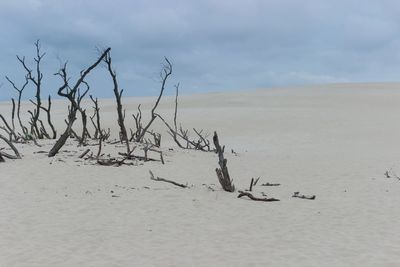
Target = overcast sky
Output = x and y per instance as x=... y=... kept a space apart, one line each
x=214 y=45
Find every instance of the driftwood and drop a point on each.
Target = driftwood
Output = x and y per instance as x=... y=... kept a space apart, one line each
x=297 y=194
x=222 y=172
x=269 y=184
x=159 y=179
x=250 y=196
x=11 y=145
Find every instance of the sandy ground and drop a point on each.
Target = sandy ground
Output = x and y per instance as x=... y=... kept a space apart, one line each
x=334 y=141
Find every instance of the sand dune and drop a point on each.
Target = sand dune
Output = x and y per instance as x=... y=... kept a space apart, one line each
x=333 y=141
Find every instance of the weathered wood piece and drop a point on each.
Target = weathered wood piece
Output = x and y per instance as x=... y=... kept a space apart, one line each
x=297 y=194
x=222 y=172
x=250 y=196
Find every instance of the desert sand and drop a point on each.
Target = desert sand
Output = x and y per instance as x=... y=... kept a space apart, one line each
x=332 y=141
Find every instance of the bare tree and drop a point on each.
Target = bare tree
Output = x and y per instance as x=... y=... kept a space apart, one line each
x=98 y=125
x=118 y=95
x=182 y=137
x=37 y=81
x=141 y=131
x=70 y=93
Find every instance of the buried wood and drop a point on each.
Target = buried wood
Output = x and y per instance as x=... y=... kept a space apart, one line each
x=269 y=184
x=159 y=179
x=297 y=194
x=250 y=196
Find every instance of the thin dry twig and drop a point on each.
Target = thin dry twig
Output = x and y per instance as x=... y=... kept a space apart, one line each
x=159 y=179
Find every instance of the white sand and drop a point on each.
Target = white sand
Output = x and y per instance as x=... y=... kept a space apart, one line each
x=333 y=141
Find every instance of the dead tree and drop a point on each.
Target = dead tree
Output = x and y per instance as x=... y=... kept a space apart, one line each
x=20 y=91
x=70 y=93
x=118 y=95
x=37 y=81
x=181 y=136
x=98 y=125
x=165 y=73
x=222 y=172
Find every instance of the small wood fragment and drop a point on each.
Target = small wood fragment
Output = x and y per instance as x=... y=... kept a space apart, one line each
x=269 y=184
x=84 y=153
x=297 y=194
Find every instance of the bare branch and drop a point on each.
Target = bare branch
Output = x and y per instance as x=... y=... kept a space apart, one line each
x=159 y=179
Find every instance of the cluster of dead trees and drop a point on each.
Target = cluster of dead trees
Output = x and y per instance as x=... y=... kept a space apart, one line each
x=141 y=137
x=18 y=131
x=74 y=91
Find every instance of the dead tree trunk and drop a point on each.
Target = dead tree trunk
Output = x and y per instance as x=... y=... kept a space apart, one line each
x=222 y=172
x=98 y=125
x=85 y=133
x=118 y=95
x=70 y=93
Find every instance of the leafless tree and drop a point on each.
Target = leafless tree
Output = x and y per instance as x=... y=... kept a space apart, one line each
x=98 y=125
x=182 y=137
x=140 y=129
x=37 y=81
x=70 y=93
x=118 y=95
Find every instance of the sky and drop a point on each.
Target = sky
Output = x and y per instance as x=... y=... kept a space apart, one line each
x=214 y=45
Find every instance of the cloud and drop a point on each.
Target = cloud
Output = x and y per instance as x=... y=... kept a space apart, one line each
x=214 y=44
